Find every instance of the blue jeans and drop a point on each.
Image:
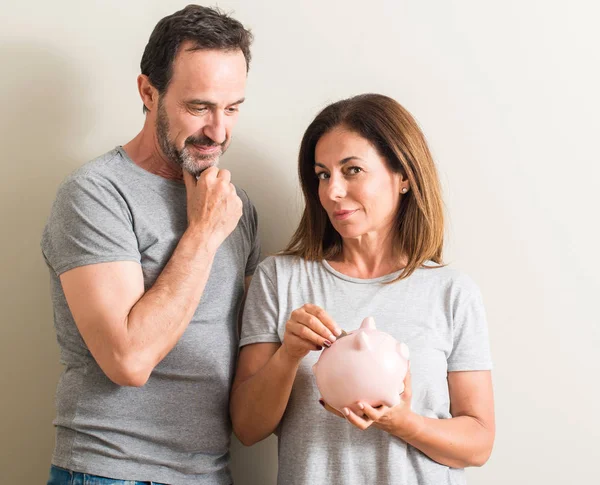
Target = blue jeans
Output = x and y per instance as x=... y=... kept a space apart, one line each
x=60 y=476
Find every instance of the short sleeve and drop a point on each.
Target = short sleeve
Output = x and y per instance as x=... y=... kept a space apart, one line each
x=249 y=222
x=89 y=223
x=254 y=257
x=261 y=311
x=471 y=347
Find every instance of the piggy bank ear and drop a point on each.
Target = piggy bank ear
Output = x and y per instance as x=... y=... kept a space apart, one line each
x=362 y=341
x=368 y=322
x=402 y=349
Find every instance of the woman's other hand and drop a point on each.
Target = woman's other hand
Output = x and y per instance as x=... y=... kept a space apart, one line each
x=308 y=328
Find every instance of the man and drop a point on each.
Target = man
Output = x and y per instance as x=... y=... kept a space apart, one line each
x=149 y=248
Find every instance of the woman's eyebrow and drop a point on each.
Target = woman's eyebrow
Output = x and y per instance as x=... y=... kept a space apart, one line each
x=341 y=162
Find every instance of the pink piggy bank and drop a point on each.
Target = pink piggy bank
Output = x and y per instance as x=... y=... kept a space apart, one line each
x=366 y=365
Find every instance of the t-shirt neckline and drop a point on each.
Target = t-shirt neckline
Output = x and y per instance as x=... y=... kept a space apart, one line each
x=145 y=173
x=379 y=279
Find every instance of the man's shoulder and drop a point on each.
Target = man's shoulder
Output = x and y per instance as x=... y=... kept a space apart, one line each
x=108 y=173
x=100 y=167
x=99 y=180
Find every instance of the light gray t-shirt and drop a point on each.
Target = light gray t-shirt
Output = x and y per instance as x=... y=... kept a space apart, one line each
x=176 y=428
x=437 y=312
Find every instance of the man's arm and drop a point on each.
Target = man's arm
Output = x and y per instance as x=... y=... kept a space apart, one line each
x=128 y=331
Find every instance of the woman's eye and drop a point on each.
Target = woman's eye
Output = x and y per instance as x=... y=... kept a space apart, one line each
x=354 y=170
x=322 y=175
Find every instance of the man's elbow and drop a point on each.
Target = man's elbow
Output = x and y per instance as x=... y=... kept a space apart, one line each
x=127 y=372
x=128 y=379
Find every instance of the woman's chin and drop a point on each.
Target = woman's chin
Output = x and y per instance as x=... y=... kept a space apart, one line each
x=347 y=232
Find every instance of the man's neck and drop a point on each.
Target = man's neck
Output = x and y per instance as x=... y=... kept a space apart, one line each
x=145 y=152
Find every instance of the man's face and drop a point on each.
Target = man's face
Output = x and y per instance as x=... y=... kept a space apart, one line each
x=199 y=108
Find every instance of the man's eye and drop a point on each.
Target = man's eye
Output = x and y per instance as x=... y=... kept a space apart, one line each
x=322 y=175
x=232 y=109
x=200 y=109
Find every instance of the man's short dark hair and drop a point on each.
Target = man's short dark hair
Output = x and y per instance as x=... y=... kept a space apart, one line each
x=205 y=27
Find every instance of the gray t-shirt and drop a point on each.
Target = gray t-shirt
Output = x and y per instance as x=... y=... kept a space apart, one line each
x=176 y=428
x=437 y=312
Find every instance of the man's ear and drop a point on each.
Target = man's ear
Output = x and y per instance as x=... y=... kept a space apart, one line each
x=148 y=92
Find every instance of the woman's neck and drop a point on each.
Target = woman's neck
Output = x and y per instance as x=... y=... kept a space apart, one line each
x=368 y=257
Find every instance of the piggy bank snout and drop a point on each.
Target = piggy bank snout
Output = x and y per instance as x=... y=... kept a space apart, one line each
x=402 y=349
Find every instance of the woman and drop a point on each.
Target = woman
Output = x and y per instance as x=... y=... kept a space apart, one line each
x=369 y=244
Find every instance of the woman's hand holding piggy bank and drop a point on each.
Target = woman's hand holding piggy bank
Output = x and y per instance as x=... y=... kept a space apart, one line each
x=365 y=378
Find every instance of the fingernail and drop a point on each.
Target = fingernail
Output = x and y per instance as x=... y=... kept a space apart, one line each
x=361 y=405
x=346 y=411
x=338 y=332
x=332 y=337
x=321 y=402
x=327 y=343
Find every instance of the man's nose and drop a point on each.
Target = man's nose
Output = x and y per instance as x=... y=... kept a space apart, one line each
x=215 y=129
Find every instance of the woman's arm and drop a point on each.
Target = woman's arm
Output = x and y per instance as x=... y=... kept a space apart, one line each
x=266 y=373
x=467 y=438
x=464 y=440
x=261 y=389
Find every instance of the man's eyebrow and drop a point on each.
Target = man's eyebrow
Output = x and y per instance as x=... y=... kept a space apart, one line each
x=211 y=104
x=341 y=162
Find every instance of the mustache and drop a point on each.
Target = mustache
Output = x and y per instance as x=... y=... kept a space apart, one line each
x=202 y=141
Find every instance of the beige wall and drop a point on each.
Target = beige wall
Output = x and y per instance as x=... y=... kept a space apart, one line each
x=507 y=93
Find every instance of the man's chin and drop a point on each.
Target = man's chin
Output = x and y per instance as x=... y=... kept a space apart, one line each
x=196 y=167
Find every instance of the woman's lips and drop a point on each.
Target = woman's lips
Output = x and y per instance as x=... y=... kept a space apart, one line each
x=342 y=215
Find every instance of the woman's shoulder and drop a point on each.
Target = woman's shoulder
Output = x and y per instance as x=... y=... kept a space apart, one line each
x=283 y=265
x=448 y=276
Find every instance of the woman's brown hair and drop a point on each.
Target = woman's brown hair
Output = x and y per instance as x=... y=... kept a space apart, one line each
x=392 y=130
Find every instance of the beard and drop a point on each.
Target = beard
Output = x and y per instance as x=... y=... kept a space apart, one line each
x=187 y=158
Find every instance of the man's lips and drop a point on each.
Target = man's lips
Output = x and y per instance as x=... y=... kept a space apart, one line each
x=207 y=148
x=345 y=214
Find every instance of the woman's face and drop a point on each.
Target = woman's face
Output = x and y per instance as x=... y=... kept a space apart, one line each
x=356 y=188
